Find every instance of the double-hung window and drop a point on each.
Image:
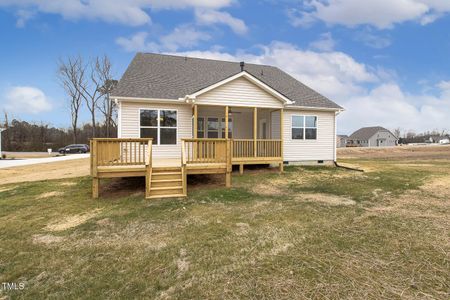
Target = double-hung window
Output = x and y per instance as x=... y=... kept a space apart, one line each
x=159 y=124
x=304 y=127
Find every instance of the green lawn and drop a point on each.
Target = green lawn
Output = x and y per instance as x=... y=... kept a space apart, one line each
x=312 y=232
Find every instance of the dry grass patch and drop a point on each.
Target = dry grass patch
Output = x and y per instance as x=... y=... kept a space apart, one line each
x=72 y=221
x=47 y=239
x=49 y=194
x=438 y=186
x=331 y=200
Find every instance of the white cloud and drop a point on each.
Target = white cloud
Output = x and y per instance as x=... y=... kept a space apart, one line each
x=324 y=43
x=369 y=96
x=182 y=37
x=128 y=12
x=379 y=13
x=373 y=40
x=26 y=99
x=210 y=17
x=23 y=16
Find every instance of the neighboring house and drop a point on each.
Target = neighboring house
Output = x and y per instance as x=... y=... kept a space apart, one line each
x=207 y=115
x=372 y=137
x=438 y=139
x=341 y=140
x=444 y=140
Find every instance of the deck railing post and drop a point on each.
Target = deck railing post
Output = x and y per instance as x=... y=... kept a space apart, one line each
x=282 y=138
x=148 y=169
x=255 y=130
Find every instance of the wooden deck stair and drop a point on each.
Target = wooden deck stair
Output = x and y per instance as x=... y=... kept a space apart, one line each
x=166 y=182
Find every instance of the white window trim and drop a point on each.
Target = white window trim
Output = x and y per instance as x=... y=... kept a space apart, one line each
x=304 y=127
x=158 y=127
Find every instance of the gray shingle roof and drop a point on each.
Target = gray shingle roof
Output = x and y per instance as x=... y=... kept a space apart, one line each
x=366 y=133
x=171 y=77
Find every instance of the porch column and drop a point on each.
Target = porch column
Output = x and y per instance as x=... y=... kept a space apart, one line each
x=255 y=129
x=195 y=121
x=226 y=122
x=282 y=138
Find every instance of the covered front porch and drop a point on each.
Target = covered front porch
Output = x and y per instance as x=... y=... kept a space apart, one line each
x=255 y=132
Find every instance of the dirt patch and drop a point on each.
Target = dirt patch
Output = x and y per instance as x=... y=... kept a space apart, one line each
x=72 y=221
x=48 y=171
x=47 y=239
x=49 y=194
x=326 y=199
x=123 y=187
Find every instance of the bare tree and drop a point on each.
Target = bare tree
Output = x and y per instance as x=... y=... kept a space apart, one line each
x=106 y=106
x=397 y=132
x=71 y=74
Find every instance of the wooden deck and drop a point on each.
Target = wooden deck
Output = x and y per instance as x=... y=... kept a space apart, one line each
x=167 y=177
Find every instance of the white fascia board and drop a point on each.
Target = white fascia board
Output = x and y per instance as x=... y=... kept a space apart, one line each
x=137 y=99
x=338 y=110
x=246 y=75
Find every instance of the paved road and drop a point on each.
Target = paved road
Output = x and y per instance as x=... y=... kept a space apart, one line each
x=32 y=161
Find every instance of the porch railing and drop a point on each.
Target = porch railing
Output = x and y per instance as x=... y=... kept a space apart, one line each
x=205 y=151
x=245 y=148
x=120 y=152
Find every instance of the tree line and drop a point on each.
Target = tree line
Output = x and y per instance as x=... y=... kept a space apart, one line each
x=87 y=85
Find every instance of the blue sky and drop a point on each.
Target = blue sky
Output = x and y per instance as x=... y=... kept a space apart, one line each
x=387 y=62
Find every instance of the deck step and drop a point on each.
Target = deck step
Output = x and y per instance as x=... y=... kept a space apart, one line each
x=166 y=182
x=166 y=176
x=165 y=169
x=165 y=188
x=167 y=196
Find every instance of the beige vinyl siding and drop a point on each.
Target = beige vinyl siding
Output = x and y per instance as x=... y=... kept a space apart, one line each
x=310 y=150
x=130 y=127
x=239 y=92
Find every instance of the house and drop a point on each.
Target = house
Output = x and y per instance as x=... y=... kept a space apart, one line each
x=376 y=136
x=438 y=139
x=341 y=140
x=444 y=140
x=204 y=116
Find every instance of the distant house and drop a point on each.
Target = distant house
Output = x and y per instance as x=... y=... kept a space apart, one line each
x=438 y=139
x=444 y=140
x=376 y=136
x=341 y=140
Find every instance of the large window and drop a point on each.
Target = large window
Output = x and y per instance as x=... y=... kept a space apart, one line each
x=304 y=127
x=159 y=124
